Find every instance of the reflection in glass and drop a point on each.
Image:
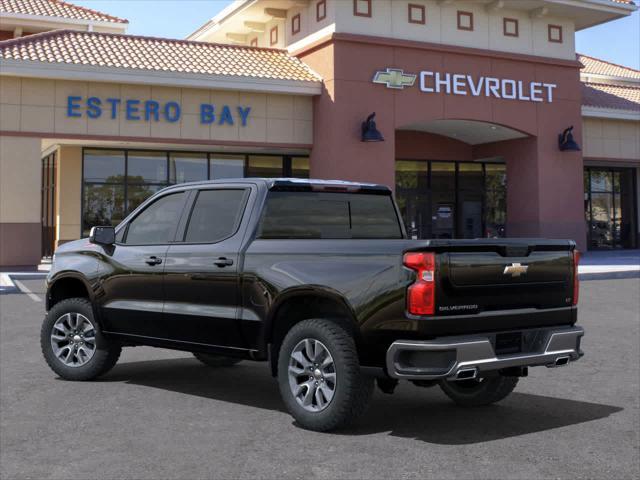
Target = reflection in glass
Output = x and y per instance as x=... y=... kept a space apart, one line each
x=226 y=166
x=495 y=204
x=470 y=191
x=300 y=167
x=100 y=165
x=103 y=205
x=264 y=166
x=443 y=197
x=136 y=194
x=147 y=167
x=412 y=195
x=187 y=167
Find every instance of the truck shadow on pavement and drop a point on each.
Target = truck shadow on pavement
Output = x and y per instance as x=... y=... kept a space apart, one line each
x=411 y=412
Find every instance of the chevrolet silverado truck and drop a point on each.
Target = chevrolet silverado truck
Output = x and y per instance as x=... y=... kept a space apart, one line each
x=319 y=279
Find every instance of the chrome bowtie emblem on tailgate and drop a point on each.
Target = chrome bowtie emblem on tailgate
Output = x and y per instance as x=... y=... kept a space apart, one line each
x=515 y=269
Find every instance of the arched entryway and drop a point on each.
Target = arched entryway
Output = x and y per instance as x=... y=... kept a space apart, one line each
x=451 y=178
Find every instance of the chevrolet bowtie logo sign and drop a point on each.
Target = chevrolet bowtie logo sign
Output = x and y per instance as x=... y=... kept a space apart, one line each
x=515 y=269
x=395 y=78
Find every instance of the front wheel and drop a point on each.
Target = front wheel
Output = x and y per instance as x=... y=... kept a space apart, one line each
x=319 y=376
x=480 y=391
x=72 y=342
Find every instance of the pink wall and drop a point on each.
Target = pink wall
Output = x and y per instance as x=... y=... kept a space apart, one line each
x=544 y=185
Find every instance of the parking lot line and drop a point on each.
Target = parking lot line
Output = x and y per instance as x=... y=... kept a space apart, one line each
x=26 y=291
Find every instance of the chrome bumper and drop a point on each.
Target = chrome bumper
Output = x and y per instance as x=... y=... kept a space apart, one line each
x=464 y=357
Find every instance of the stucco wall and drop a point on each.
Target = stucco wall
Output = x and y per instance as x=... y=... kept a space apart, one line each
x=611 y=139
x=40 y=106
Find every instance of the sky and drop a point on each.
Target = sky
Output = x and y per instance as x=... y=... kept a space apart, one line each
x=617 y=42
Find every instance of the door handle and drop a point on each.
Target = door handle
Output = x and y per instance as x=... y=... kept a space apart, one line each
x=223 y=262
x=153 y=260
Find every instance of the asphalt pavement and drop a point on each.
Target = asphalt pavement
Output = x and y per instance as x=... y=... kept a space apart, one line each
x=161 y=414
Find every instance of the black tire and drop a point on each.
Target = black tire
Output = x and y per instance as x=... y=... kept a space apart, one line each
x=474 y=393
x=352 y=390
x=106 y=352
x=216 y=360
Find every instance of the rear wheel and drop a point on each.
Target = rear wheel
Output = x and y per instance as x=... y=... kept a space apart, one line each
x=72 y=342
x=480 y=391
x=216 y=360
x=319 y=376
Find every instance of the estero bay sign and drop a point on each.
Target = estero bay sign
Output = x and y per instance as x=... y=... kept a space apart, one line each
x=152 y=110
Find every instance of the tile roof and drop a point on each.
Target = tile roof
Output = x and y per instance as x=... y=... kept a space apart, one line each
x=155 y=54
x=56 y=8
x=602 y=67
x=611 y=96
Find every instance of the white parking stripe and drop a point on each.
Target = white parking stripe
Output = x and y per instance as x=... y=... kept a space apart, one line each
x=28 y=292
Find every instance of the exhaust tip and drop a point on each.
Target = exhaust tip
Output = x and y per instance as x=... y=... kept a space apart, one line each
x=562 y=361
x=466 y=374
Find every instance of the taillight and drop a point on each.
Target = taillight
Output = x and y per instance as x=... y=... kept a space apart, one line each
x=421 y=295
x=576 y=282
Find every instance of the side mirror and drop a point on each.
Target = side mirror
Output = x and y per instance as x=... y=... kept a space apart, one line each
x=102 y=235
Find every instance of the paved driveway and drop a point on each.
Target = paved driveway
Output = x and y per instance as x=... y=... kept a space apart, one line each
x=160 y=414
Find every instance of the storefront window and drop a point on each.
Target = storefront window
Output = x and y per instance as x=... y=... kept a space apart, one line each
x=610 y=207
x=226 y=166
x=451 y=199
x=264 y=166
x=187 y=167
x=300 y=167
x=115 y=182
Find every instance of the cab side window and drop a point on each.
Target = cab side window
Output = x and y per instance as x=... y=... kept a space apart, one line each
x=157 y=223
x=216 y=215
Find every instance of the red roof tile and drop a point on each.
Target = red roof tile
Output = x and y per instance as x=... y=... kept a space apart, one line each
x=611 y=96
x=56 y=8
x=158 y=54
x=602 y=67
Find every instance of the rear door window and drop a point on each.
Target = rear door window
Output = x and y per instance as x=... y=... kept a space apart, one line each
x=329 y=216
x=157 y=223
x=216 y=215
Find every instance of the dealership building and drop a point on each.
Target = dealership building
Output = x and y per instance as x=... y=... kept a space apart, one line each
x=487 y=122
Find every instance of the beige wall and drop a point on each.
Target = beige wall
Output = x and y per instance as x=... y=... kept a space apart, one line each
x=68 y=193
x=608 y=138
x=34 y=105
x=19 y=200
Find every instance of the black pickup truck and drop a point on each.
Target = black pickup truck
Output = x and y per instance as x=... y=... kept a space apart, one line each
x=319 y=279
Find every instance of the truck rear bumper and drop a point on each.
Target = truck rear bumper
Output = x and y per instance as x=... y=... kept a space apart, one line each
x=465 y=357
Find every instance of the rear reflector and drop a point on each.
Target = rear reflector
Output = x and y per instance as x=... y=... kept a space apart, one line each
x=576 y=282
x=421 y=295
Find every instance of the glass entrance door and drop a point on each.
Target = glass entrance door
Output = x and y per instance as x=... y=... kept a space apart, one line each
x=610 y=207
x=47 y=205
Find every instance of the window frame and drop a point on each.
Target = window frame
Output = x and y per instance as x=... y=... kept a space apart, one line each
x=181 y=233
x=369 y=11
x=462 y=13
x=321 y=5
x=273 y=41
x=515 y=22
x=420 y=8
x=551 y=27
x=296 y=24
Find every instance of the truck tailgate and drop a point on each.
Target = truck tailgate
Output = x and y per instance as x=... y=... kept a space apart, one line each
x=493 y=275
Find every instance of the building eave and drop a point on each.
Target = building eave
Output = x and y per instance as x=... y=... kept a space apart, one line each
x=610 y=113
x=64 y=71
x=7 y=17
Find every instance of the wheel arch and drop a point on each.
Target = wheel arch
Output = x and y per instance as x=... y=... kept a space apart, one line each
x=296 y=305
x=69 y=285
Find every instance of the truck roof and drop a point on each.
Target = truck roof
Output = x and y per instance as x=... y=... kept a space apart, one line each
x=297 y=183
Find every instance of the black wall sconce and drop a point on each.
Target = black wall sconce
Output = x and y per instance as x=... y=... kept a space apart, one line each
x=566 y=143
x=369 y=131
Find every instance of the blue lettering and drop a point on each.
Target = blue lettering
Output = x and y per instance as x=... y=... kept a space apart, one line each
x=207 y=114
x=225 y=116
x=244 y=113
x=151 y=107
x=114 y=106
x=172 y=112
x=132 y=109
x=94 y=110
x=73 y=103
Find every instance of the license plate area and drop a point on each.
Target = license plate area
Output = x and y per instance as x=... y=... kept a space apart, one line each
x=508 y=343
